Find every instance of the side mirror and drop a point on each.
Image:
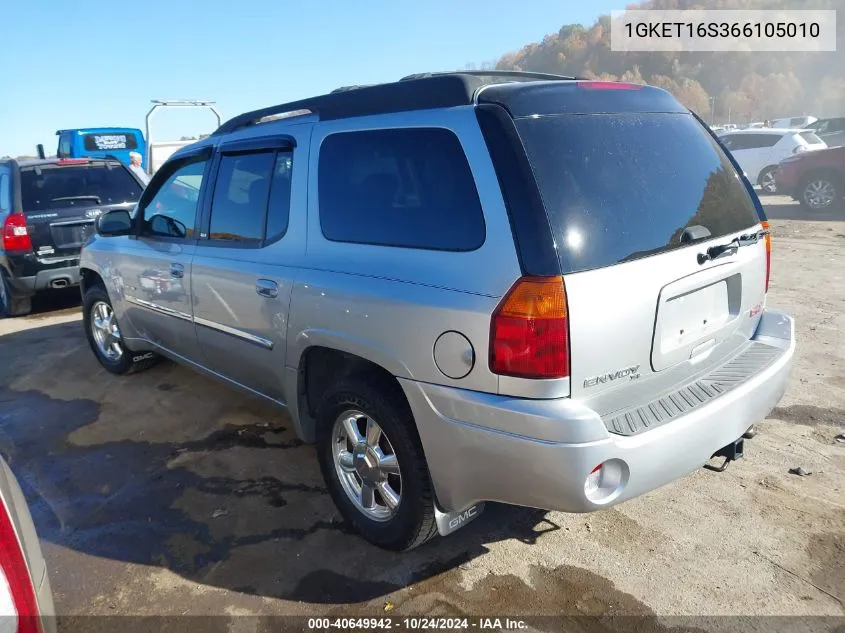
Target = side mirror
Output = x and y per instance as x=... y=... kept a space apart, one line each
x=114 y=223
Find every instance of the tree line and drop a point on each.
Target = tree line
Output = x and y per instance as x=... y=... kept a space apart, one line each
x=720 y=87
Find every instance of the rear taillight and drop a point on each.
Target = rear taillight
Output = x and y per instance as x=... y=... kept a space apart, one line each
x=798 y=149
x=768 y=242
x=17 y=593
x=15 y=234
x=529 y=334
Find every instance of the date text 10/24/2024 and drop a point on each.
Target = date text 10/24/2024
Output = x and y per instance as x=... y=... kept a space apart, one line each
x=416 y=623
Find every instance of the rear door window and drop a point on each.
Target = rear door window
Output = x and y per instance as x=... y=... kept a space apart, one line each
x=55 y=185
x=623 y=186
x=410 y=188
x=239 y=207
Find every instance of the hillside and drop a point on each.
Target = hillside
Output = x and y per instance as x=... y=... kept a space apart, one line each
x=745 y=86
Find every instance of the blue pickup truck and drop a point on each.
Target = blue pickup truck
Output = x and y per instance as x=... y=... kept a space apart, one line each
x=99 y=142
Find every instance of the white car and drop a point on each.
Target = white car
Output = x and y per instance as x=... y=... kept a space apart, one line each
x=758 y=152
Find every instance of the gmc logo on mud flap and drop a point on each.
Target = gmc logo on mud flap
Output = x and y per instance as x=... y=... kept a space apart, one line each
x=631 y=373
x=138 y=359
x=463 y=517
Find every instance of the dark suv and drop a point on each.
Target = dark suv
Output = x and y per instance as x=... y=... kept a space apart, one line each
x=47 y=211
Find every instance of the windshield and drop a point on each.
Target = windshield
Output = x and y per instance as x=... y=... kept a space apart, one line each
x=621 y=186
x=96 y=183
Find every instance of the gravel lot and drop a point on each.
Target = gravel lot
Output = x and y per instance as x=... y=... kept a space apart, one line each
x=165 y=493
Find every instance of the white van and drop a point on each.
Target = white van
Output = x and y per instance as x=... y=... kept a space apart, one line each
x=794 y=122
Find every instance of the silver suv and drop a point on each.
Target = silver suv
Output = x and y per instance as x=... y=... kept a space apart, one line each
x=465 y=287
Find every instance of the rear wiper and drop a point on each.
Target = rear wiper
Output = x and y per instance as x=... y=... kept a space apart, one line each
x=69 y=198
x=745 y=239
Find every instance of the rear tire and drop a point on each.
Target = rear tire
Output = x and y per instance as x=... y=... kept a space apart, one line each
x=408 y=524
x=9 y=306
x=103 y=333
x=820 y=192
x=767 y=180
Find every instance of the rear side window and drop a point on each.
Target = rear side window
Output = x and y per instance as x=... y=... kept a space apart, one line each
x=59 y=186
x=5 y=191
x=736 y=142
x=410 y=188
x=105 y=142
x=623 y=186
x=811 y=138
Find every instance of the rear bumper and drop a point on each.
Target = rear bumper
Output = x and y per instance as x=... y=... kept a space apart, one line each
x=471 y=462
x=29 y=274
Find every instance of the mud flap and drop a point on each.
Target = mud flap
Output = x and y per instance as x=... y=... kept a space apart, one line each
x=448 y=522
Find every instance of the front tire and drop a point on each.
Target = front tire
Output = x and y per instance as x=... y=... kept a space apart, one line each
x=373 y=463
x=104 y=337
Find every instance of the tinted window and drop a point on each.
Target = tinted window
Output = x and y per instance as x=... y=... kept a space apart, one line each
x=5 y=191
x=811 y=138
x=626 y=186
x=172 y=210
x=64 y=145
x=239 y=208
x=279 y=208
x=408 y=187
x=54 y=185
x=105 y=142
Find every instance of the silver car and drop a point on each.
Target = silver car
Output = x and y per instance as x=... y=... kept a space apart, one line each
x=26 y=600
x=465 y=287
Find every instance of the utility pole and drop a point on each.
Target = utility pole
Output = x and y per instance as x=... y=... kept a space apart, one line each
x=712 y=110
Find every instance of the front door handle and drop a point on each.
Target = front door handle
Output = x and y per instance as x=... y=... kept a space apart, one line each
x=177 y=270
x=267 y=288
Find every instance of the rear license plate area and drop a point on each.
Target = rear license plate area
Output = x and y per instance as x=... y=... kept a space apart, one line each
x=689 y=318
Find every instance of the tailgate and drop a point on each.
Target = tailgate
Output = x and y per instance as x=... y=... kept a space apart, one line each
x=647 y=213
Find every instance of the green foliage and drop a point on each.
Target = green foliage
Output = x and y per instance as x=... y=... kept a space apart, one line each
x=744 y=86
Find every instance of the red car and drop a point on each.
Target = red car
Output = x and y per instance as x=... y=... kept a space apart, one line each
x=816 y=179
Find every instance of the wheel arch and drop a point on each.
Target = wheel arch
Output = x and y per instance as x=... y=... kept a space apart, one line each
x=328 y=359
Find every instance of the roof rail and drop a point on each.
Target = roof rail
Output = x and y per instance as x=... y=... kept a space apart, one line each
x=414 y=92
x=346 y=88
x=517 y=75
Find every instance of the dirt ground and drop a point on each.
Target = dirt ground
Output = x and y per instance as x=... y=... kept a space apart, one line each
x=167 y=493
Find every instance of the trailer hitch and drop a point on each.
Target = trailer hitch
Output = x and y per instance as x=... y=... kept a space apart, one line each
x=731 y=453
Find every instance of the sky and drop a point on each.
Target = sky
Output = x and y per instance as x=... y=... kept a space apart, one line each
x=100 y=62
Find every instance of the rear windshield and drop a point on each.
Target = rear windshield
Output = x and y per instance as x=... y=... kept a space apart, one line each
x=811 y=138
x=105 y=142
x=61 y=186
x=621 y=186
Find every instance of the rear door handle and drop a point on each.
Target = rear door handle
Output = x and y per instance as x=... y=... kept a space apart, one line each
x=177 y=270
x=267 y=288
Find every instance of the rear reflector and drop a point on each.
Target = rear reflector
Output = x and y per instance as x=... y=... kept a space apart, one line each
x=15 y=234
x=529 y=333
x=768 y=241
x=608 y=85
x=17 y=594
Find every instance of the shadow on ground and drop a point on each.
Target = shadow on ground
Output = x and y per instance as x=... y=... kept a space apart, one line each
x=784 y=208
x=167 y=469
